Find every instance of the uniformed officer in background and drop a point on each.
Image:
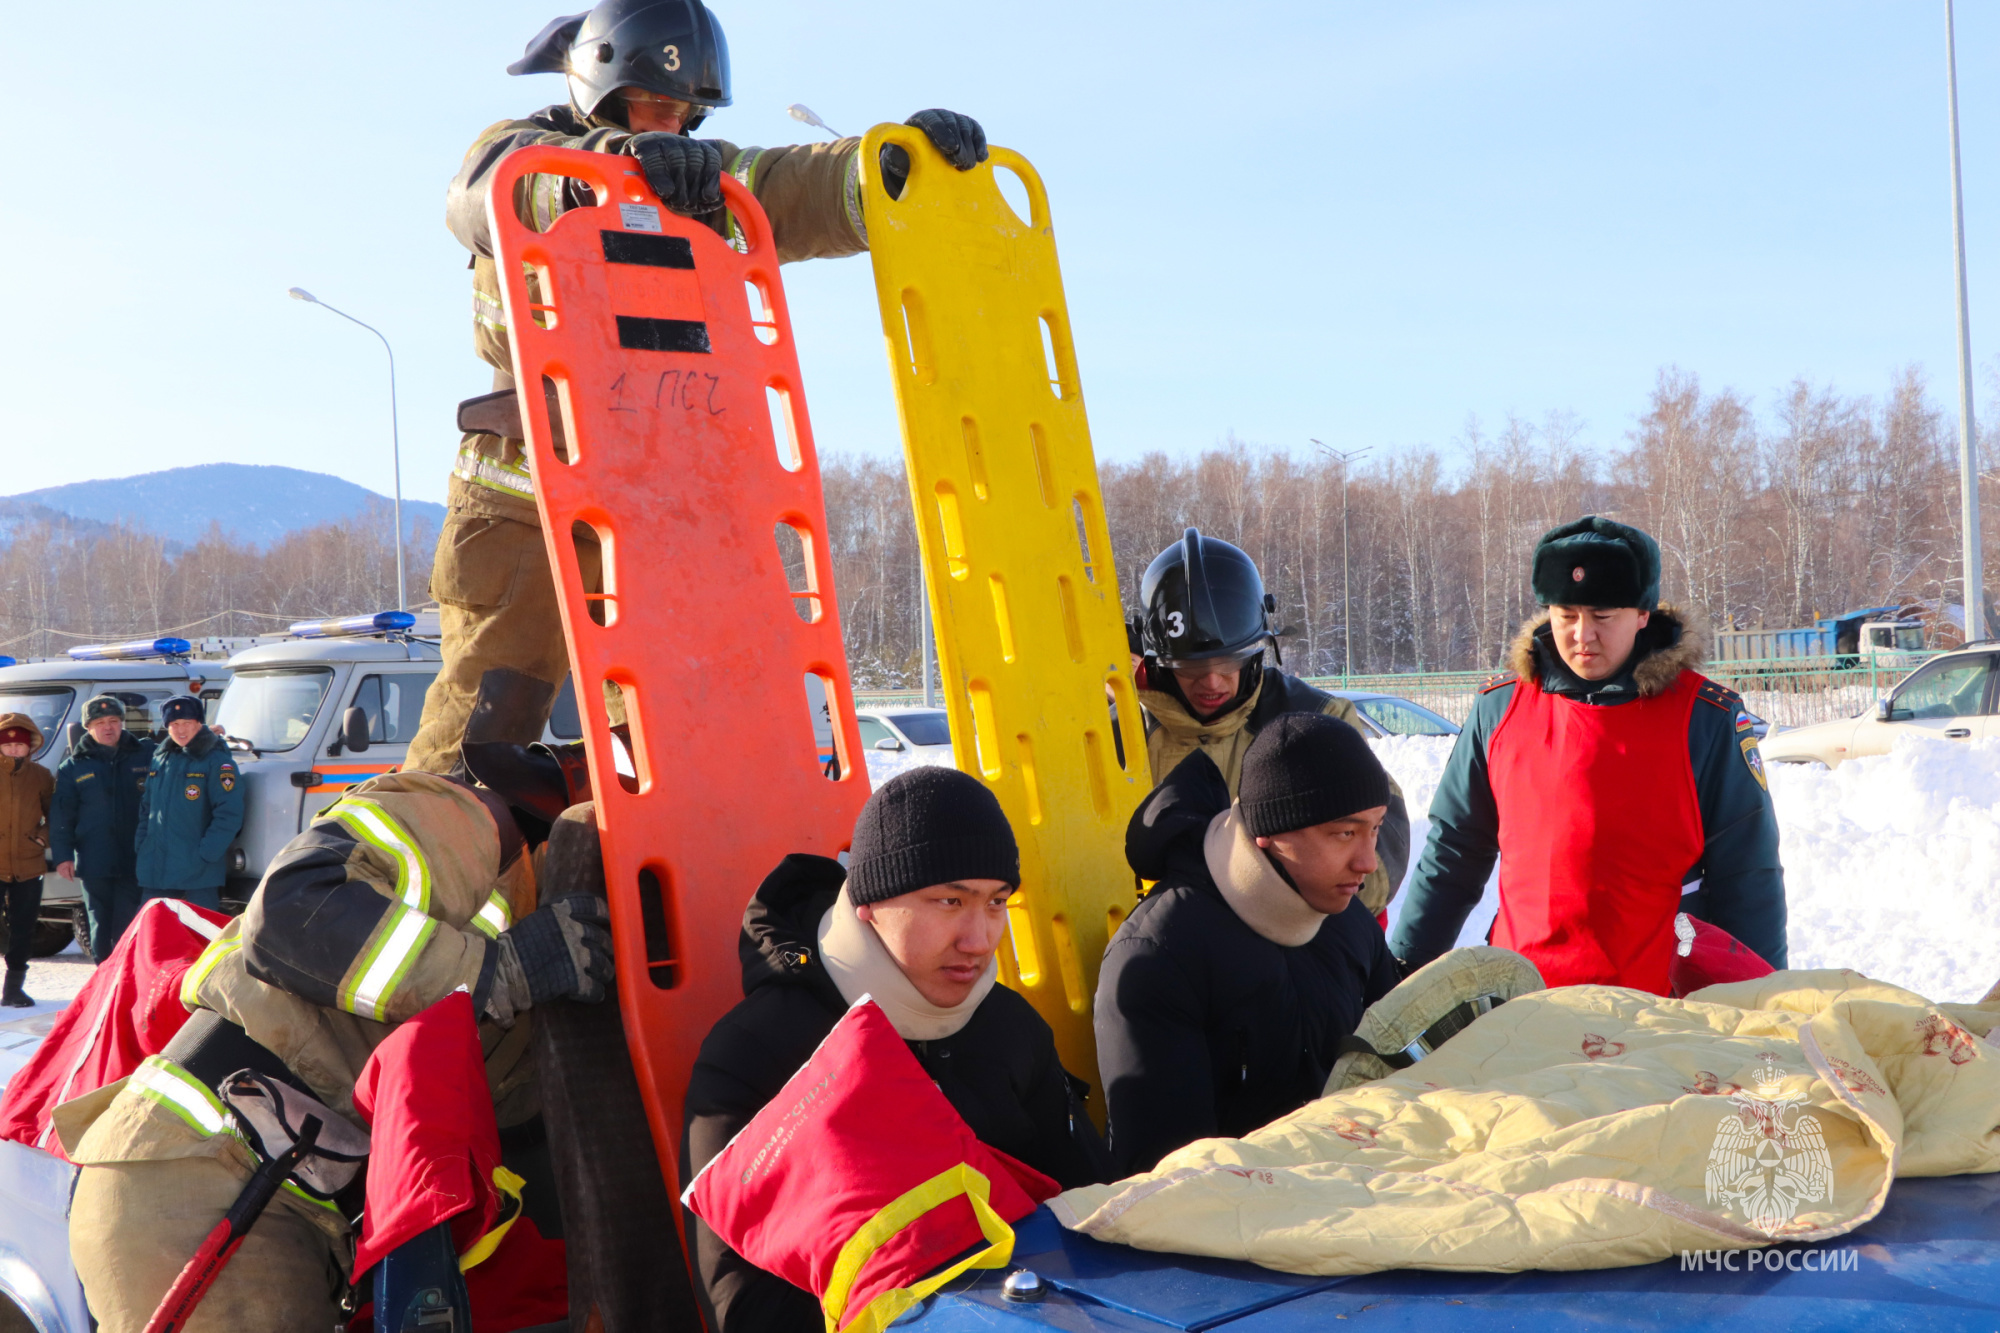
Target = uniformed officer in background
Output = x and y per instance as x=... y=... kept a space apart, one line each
x=643 y=74
x=1615 y=784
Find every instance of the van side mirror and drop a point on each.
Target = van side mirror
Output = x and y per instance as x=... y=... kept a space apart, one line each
x=73 y=735
x=888 y=743
x=354 y=730
x=1885 y=710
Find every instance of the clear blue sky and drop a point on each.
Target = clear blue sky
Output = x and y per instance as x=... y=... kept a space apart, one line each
x=1360 y=222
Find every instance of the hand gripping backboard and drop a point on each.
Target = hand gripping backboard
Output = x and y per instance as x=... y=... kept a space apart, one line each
x=686 y=450
x=1016 y=554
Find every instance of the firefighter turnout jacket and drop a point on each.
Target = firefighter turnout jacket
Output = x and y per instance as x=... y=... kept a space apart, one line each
x=391 y=900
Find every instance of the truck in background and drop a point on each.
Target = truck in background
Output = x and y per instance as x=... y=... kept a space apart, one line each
x=334 y=703
x=143 y=674
x=1877 y=637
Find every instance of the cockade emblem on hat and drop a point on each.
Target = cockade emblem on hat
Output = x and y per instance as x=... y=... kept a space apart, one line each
x=1576 y=575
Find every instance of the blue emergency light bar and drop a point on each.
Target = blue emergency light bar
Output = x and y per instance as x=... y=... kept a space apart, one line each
x=135 y=650
x=349 y=627
x=6 y=661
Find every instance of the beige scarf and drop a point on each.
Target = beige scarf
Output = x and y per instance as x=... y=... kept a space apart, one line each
x=1252 y=886
x=861 y=965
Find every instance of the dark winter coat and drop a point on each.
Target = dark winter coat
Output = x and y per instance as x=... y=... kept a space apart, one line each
x=1204 y=1026
x=999 y=1071
x=95 y=819
x=1173 y=733
x=191 y=809
x=1742 y=884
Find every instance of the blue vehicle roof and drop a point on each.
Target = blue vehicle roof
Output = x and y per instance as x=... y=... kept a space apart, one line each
x=1930 y=1260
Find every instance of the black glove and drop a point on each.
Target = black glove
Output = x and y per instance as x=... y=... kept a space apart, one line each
x=959 y=138
x=686 y=173
x=556 y=952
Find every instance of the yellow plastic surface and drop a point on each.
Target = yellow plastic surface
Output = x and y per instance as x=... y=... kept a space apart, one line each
x=1017 y=558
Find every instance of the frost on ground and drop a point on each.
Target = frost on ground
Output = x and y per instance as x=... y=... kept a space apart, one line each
x=52 y=984
x=1892 y=863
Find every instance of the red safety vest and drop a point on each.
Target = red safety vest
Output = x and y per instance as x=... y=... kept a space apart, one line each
x=1598 y=828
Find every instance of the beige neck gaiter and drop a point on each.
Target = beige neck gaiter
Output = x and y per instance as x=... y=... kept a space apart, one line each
x=860 y=964
x=1252 y=886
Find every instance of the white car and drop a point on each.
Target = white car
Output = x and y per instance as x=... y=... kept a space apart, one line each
x=1952 y=697
x=895 y=739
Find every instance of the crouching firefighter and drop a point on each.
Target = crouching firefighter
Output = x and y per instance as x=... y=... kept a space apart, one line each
x=409 y=888
x=1202 y=681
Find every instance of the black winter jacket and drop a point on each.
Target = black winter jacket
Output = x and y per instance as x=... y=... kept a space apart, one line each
x=1205 y=1027
x=1000 y=1072
x=94 y=818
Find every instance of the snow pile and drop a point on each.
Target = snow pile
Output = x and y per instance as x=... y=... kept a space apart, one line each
x=1417 y=762
x=1892 y=865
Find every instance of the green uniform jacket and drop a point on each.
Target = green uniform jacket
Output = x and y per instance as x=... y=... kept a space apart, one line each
x=811 y=193
x=190 y=810
x=1739 y=885
x=95 y=818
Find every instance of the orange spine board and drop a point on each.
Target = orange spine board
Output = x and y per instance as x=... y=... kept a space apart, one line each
x=686 y=446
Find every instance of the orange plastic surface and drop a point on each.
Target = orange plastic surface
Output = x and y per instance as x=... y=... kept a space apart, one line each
x=673 y=458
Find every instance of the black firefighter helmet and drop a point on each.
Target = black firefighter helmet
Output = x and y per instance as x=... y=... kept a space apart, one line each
x=1204 y=601
x=671 y=47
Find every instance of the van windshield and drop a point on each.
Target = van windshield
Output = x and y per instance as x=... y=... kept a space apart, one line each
x=273 y=710
x=46 y=706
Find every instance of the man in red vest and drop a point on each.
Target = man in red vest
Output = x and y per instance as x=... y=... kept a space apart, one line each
x=1614 y=783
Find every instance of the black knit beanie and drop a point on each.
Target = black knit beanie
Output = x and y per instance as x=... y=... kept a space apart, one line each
x=1306 y=769
x=929 y=826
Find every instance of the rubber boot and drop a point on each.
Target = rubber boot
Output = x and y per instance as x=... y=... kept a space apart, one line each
x=511 y=707
x=13 y=997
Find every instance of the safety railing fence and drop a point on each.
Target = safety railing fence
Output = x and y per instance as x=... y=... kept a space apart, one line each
x=1784 y=691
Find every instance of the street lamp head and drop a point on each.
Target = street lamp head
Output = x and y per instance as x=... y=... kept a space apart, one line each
x=799 y=111
x=301 y=294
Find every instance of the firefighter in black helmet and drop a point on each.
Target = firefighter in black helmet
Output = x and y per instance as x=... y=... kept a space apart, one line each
x=1201 y=638
x=642 y=75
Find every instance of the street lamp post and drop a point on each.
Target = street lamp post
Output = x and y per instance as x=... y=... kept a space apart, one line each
x=395 y=436
x=1344 y=457
x=1968 y=436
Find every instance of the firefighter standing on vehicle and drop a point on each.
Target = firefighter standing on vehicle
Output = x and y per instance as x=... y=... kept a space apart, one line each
x=643 y=74
x=1615 y=784
x=1203 y=631
x=410 y=887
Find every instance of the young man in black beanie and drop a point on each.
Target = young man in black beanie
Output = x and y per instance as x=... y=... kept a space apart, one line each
x=1614 y=783
x=915 y=920
x=1224 y=997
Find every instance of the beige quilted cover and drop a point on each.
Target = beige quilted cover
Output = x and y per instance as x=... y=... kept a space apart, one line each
x=1594 y=1127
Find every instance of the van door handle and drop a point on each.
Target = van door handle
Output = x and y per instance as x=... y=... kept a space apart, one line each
x=1957 y=733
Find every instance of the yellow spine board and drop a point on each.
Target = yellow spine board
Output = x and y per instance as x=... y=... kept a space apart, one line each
x=1017 y=558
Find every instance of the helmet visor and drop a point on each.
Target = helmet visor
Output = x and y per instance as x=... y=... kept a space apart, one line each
x=1195 y=665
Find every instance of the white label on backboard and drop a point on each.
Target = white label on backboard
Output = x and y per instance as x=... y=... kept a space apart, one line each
x=639 y=217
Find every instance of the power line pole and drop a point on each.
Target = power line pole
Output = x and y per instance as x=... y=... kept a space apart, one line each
x=1344 y=457
x=1968 y=434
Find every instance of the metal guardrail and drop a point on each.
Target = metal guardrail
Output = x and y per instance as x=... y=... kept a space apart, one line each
x=1784 y=691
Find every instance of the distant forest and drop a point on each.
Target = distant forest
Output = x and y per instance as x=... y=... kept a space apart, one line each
x=1822 y=503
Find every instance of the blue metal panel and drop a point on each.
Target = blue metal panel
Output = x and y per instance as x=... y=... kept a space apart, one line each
x=1930 y=1261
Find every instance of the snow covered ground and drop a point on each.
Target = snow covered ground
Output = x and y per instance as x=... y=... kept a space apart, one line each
x=1892 y=863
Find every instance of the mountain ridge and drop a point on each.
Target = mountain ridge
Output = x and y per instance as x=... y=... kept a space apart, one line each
x=255 y=503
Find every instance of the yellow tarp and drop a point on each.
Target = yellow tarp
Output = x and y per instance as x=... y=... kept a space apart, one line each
x=1594 y=1127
